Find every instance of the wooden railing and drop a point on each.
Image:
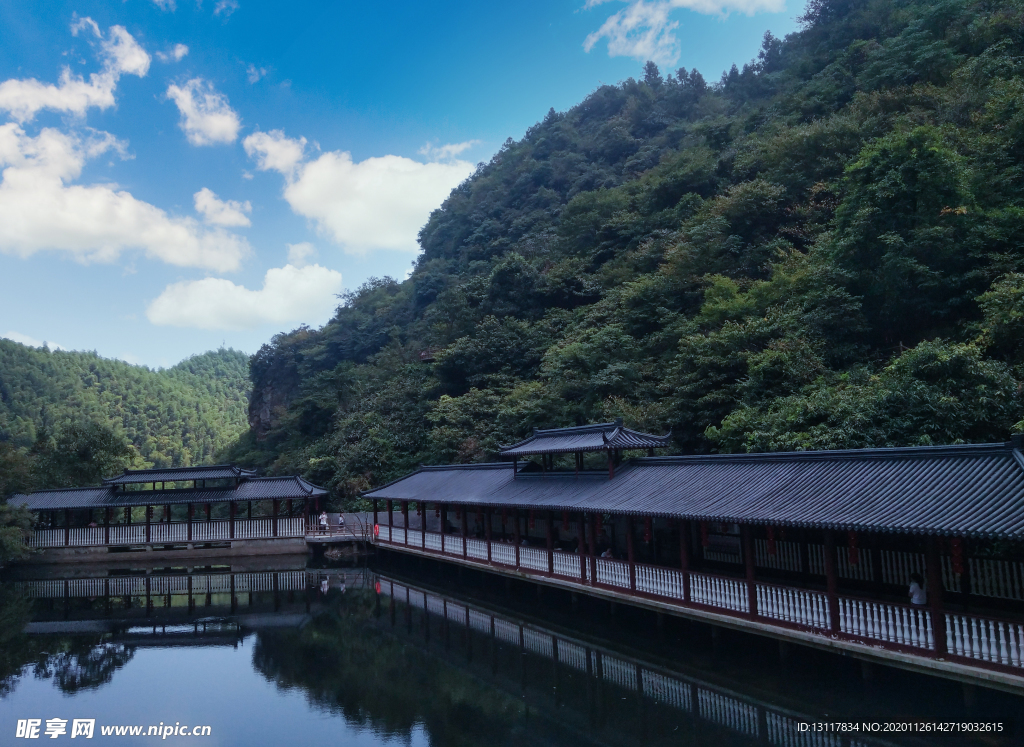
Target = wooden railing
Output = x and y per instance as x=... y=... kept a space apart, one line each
x=985 y=639
x=795 y=606
x=169 y=532
x=899 y=626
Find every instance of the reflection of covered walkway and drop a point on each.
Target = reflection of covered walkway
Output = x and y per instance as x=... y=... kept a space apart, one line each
x=814 y=547
x=179 y=601
x=575 y=674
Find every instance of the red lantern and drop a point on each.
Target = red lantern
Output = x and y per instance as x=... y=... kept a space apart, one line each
x=376 y=587
x=565 y=521
x=376 y=530
x=854 y=551
x=531 y=519
x=957 y=547
x=771 y=541
x=704 y=541
x=647 y=529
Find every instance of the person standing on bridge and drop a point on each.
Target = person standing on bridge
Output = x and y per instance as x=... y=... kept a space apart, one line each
x=323 y=522
x=918 y=595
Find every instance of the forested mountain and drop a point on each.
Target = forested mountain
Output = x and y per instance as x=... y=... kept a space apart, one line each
x=177 y=416
x=822 y=249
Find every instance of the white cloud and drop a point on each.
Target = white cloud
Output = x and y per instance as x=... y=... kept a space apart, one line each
x=165 y=4
x=221 y=212
x=275 y=152
x=175 y=54
x=206 y=116
x=254 y=73
x=289 y=295
x=41 y=209
x=379 y=203
x=299 y=255
x=644 y=31
x=120 y=54
x=225 y=7
x=31 y=341
x=445 y=152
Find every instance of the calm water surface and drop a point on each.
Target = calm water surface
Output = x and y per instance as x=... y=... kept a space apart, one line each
x=407 y=654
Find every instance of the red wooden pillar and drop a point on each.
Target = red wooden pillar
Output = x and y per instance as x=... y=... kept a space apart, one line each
x=747 y=538
x=444 y=522
x=630 y=552
x=515 y=518
x=933 y=570
x=405 y=519
x=106 y=526
x=831 y=581
x=684 y=557
x=593 y=549
x=488 y=517
x=275 y=509
x=583 y=548
x=465 y=531
x=231 y=524
x=191 y=511
x=67 y=527
x=551 y=543
x=149 y=522
x=209 y=506
x=376 y=524
x=391 y=520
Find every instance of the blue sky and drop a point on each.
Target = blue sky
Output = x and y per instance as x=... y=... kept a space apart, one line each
x=181 y=175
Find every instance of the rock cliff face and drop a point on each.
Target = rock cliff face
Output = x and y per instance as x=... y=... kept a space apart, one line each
x=266 y=404
x=275 y=376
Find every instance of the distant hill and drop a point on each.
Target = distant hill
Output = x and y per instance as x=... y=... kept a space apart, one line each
x=822 y=249
x=182 y=415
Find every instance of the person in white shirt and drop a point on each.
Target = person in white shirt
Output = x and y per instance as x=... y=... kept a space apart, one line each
x=917 y=592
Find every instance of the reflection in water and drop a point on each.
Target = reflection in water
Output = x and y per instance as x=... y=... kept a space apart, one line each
x=264 y=656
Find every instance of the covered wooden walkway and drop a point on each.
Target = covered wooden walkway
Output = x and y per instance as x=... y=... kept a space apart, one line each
x=830 y=574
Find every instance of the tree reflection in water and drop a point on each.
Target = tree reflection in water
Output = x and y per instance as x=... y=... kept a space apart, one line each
x=377 y=682
x=74 y=663
x=83 y=665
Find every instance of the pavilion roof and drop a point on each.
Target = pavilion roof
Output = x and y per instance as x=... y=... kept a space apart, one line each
x=972 y=490
x=595 y=437
x=180 y=474
x=108 y=496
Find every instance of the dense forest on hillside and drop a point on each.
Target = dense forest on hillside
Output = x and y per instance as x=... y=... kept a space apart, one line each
x=822 y=249
x=177 y=416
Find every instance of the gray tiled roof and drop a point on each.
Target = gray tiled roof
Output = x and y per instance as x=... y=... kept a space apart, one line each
x=107 y=496
x=974 y=490
x=180 y=474
x=597 y=437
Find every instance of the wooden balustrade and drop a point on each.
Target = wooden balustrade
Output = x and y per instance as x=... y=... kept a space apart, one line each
x=716 y=591
x=902 y=624
x=167 y=533
x=795 y=606
x=985 y=639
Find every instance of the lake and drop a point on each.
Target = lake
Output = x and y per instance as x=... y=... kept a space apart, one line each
x=410 y=653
